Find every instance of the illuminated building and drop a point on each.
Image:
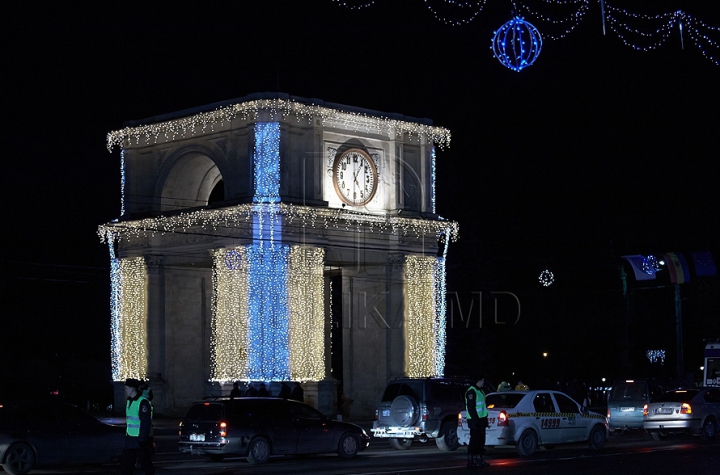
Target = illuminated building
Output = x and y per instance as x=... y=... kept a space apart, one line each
x=273 y=238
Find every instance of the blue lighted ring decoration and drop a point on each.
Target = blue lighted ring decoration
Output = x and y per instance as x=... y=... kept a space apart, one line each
x=517 y=44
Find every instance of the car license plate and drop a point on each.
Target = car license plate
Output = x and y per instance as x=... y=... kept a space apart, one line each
x=386 y=412
x=627 y=409
x=664 y=410
x=197 y=437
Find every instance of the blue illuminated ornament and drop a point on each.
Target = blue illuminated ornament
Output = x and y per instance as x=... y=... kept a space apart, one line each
x=517 y=44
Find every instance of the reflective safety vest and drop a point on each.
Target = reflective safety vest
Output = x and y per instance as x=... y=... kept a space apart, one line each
x=480 y=406
x=132 y=416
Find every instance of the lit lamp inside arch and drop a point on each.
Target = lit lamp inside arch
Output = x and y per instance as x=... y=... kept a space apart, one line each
x=517 y=44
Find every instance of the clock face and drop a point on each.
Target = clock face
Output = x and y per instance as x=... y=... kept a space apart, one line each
x=355 y=177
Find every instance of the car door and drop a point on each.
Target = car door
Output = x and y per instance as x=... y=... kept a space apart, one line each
x=89 y=440
x=277 y=421
x=573 y=427
x=45 y=433
x=314 y=433
x=547 y=418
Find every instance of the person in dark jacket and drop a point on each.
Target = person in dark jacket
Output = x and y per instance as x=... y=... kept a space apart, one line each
x=477 y=419
x=138 y=433
x=285 y=391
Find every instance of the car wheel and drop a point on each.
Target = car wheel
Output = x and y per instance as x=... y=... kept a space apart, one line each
x=400 y=444
x=348 y=446
x=214 y=457
x=657 y=436
x=19 y=459
x=597 y=437
x=259 y=450
x=708 y=429
x=404 y=411
x=448 y=439
x=527 y=444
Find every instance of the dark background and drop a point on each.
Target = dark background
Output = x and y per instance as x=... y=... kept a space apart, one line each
x=596 y=151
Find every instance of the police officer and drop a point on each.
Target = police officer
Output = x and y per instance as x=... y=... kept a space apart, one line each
x=477 y=419
x=138 y=435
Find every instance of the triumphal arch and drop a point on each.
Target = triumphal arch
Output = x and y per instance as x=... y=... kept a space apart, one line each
x=273 y=238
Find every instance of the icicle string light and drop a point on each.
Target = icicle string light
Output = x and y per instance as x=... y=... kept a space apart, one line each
x=439 y=329
x=222 y=222
x=128 y=330
x=424 y=324
x=306 y=293
x=229 y=329
x=268 y=314
x=206 y=122
x=267 y=162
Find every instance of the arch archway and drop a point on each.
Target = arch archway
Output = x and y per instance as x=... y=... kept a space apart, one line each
x=190 y=182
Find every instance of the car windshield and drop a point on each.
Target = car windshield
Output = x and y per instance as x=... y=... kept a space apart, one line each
x=628 y=391
x=448 y=391
x=678 y=396
x=503 y=400
x=400 y=389
x=205 y=412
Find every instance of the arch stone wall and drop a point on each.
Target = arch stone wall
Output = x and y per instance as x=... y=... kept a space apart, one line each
x=168 y=177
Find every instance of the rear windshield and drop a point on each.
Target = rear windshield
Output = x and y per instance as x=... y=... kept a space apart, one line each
x=205 y=412
x=629 y=391
x=678 y=396
x=394 y=390
x=503 y=400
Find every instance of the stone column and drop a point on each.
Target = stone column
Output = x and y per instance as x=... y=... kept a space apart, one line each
x=156 y=328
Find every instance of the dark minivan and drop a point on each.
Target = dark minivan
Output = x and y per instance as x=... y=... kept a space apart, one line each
x=257 y=427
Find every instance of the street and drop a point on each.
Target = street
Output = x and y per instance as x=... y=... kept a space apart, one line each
x=634 y=453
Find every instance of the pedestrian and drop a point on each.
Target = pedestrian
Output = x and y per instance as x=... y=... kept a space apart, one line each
x=235 y=391
x=477 y=419
x=297 y=393
x=263 y=392
x=285 y=391
x=252 y=390
x=138 y=434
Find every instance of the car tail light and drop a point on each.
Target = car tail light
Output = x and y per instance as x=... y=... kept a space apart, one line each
x=377 y=416
x=424 y=413
x=459 y=419
x=502 y=419
x=685 y=408
x=645 y=410
x=223 y=429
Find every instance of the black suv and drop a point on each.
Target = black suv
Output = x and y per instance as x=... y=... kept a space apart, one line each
x=421 y=408
x=257 y=427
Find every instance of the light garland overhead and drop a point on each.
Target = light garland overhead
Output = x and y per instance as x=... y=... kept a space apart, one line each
x=222 y=222
x=642 y=32
x=206 y=122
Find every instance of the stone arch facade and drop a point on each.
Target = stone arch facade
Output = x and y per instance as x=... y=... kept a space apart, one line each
x=187 y=177
x=247 y=289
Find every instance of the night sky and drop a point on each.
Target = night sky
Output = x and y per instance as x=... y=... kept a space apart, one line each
x=595 y=151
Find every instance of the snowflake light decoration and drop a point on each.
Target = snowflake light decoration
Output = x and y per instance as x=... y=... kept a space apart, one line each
x=546 y=278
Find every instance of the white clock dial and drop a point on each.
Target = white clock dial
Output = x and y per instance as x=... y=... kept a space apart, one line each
x=355 y=177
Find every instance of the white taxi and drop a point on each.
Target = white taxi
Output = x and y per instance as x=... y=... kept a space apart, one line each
x=528 y=419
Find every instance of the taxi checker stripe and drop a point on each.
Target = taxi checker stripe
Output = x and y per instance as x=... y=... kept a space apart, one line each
x=554 y=414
